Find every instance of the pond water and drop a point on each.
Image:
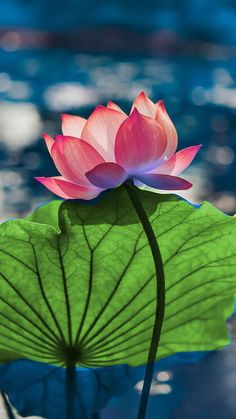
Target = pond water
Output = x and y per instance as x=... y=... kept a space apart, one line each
x=204 y=389
x=45 y=73
x=37 y=85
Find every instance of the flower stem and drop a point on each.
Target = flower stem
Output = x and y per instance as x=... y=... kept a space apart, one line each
x=160 y=301
x=70 y=391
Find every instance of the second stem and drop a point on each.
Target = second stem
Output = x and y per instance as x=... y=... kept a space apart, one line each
x=70 y=383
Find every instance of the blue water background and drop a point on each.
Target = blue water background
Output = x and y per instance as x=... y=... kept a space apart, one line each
x=67 y=56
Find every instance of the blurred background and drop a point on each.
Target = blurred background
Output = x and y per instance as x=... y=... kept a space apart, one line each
x=69 y=55
x=66 y=56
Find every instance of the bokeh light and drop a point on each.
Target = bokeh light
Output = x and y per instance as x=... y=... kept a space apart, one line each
x=68 y=56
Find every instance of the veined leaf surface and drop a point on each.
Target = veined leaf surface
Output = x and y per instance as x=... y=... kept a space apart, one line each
x=85 y=291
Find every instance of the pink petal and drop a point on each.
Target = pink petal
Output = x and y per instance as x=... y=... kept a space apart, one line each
x=67 y=190
x=164 y=120
x=101 y=129
x=49 y=141
x=50 y=183
x=140 y=142
x=179 y=161
x=74 y=157
x=114 y=106
x=144 y=105
x=72 y=125
x=107 y=175
x=164 y=182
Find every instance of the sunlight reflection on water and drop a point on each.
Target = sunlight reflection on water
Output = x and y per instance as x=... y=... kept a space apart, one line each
x=35 y=87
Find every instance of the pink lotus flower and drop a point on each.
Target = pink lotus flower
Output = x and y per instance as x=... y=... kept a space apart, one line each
x=110 y=147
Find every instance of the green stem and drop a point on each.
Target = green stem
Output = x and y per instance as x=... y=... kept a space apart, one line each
x=160 y=306
x=7 y=406
x=70 y=391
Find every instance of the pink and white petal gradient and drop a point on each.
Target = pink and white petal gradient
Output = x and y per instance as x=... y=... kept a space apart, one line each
x=101 y=128
x=115 y=107
x=178 y=161
x=140 y=143
x=49 y=141
x=111 y=147
x=68 y=190
x=164 y=120
x=144 y=105
x=74 y=157
x=72 y=125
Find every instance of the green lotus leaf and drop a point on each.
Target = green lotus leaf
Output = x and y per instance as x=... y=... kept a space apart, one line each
x=78 y=281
